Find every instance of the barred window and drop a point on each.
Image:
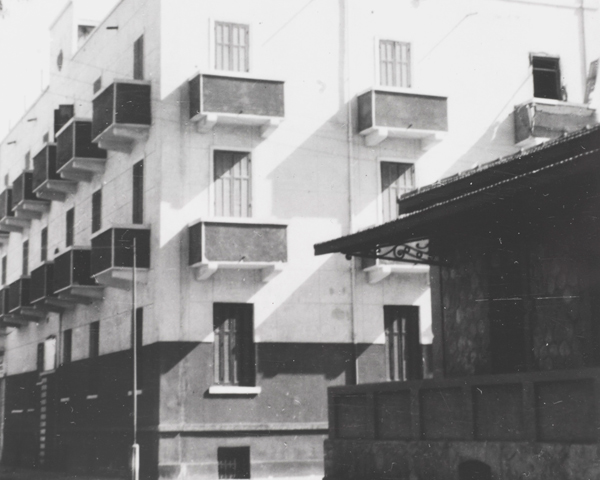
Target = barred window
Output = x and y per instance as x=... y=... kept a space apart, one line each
x=396 y=179
x=234 y=462
x=394 y=64
x=232 y=177
x=231 y=47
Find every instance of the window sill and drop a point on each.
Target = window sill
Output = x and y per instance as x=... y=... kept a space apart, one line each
x=233 y=390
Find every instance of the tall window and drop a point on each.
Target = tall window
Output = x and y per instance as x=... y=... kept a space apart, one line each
x=138 y=192
x=70 y=233
x=94 y=367
x=402 y=347
x=94 y=339
x=50 y=353
x=96 y=210
x=67 y=346
x=138 y=59
x=139 y=338
x=394 y=64
x=234 y=361
x=4 y=268
x=44 y=243
x=231 y=47
x=396 y=179
x=234 y=462
x=26 y=257
x=546 y=78
x=40 y=357
x=232 y=184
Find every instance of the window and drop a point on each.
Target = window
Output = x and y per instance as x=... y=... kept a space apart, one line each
x=394 y=64
x=94 y=366
x=28 y=161
x=138 y=59
x=83 y=32
x=96 y=210
x=232 y=184
x=40 y=357
x=138 y=192
x=4 y=267
x=44 y=242
x=234 y=462
x=139 y=340
x=234 y=361
x=231 y=47
x=67 y=352
x=402 y=347
x=97 y=84
x=94 y=339
x=50 y=353
x=396 y=179
x=70 y=226
x=546 y=78
x=26 y=258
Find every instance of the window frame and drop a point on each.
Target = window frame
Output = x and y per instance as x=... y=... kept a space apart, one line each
x=380 y=198
x=67 y=353
x=560 y=86
x=139 y=58
x=25 y=257
x=412 y=313
x=44 y=244
x=97 y=210
x=70 y=227
x=246 y=461
x=377 y=63
x=137 y=196
x=212 y=45
x=211 y=180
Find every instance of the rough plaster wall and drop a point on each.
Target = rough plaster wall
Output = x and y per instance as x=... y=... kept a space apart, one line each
x=466 y=324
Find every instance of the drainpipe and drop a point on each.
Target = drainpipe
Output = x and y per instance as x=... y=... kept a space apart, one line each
x=350 y=153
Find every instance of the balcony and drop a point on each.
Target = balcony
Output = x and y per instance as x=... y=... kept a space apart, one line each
x=47 y=182
x=8 y=221
x=402 y=114
x=122 y=115
x=112 y=256
x=237 y=244
x=77 y=158
x=19 y=305
x=72 y=278
x=539 y=120
x=25 y=203
x=236 y=100
x=7 y=320
x=42 y=294
x=379 y=269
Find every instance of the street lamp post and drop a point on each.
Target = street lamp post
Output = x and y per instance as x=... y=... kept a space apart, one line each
x=135 y=448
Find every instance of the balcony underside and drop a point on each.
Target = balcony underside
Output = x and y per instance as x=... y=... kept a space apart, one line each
x=31 y=209
x=81 y=294
x=8 y=320
x=121 y=277
x=205 y=270
x=205 y=122
x=52 y=304
x=122 y=137
x=56 y=190
x=380 y=271
x=82 y=169
x=375 y=135
x=14 y=224
x=26 y=314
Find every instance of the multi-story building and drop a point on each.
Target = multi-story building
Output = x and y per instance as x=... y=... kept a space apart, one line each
x=223 y=139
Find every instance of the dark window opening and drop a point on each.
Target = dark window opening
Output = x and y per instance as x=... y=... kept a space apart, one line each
x=96 y=210
x=94 y=366
x=70 y=227
x=67 y=346
x=26 y=258
x=4 y=267
x=546 y=78
x=474 y=470
x=44 y=242
x=403 y=349
x=139 y=338
x=234 y=361
x=138 y=59
x=97 y=84
x=94 y=339
x=234 y=462
x=40 y=357
x=138 y=193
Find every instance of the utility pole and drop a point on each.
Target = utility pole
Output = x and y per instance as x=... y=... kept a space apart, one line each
x=135 y=448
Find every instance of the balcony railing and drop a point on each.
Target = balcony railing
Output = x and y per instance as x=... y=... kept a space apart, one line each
x=237 y=244
x=554 y=406
x=112 y=256
x=540 y=120
x=383 y=113
x=8 y=221
x=47 y=182
x=42 y=289
x=77 y=158
x=25 y=202
x=6 y=319
x=122 y=115
x=72 y=278
x=18 y=301
x=236 y=100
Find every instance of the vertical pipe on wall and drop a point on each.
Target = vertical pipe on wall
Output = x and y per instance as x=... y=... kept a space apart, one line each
x=582 y=42
x=345 y=18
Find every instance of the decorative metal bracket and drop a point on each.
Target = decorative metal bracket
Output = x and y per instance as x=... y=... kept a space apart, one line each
x=414 y=252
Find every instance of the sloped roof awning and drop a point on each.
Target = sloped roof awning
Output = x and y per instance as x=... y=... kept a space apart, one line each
x=427 y=212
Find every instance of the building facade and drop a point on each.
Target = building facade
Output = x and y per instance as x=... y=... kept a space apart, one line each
x=221 y=140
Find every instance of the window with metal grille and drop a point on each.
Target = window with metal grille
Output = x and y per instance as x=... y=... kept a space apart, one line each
x=67 y=346
x=96 y=210
x=138 y=192
x=402 y=347
x=394 y=64
x=396 y=179
x=231 y=46
x=138 y=59
x=234 y=360
x=44 y=244
x=234 y=462
x=4 y=267
x=546 y=78
x=70 y=233
x=26 y=258
x=232 y=187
